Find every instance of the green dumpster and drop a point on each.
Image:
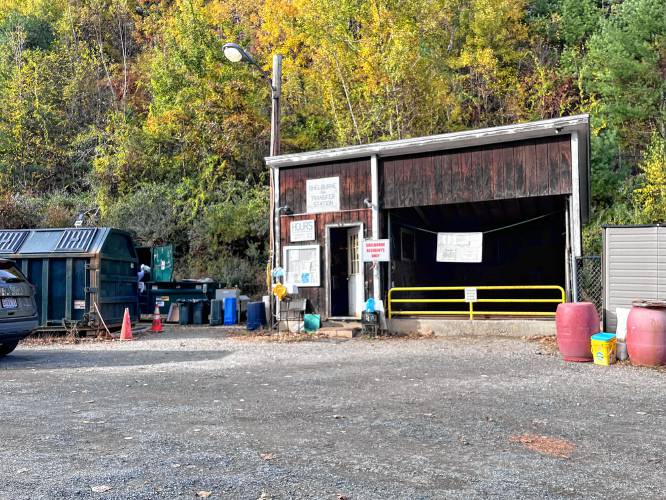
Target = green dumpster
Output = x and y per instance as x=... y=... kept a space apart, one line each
x=78 y=274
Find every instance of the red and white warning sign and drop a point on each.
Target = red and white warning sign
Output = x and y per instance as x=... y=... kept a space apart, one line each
x=376 y=250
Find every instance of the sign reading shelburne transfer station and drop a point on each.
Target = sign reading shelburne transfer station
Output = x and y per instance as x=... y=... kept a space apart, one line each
x=322 y=195
x=376 y=250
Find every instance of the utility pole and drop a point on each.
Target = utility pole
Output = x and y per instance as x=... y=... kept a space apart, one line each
x=235 y=53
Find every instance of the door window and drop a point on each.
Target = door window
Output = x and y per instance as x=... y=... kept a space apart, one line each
x=354 y=264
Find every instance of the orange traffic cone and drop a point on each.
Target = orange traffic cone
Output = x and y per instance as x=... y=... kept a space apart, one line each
x=126 y=331
x=157 y=321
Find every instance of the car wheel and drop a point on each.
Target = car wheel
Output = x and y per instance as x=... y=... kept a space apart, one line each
x=7 y=348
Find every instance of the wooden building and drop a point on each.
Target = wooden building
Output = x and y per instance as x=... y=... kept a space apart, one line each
x=524 y=187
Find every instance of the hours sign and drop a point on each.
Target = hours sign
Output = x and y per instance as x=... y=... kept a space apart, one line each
x=302 y=230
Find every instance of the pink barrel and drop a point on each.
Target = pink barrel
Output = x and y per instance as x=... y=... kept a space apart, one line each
x=646 y=333
x=576 y=322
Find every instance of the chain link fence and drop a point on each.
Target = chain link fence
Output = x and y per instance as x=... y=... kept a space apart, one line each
x=588 y=279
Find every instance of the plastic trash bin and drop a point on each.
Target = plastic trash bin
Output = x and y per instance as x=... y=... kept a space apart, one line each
x=256 y=315
x=230 y=311
x=184 y=313
x=199 y=312
x=216 y=312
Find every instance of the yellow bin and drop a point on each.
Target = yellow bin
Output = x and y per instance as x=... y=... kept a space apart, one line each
x=603 y=348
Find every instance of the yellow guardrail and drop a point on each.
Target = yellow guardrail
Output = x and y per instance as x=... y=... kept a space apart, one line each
x=471 y=311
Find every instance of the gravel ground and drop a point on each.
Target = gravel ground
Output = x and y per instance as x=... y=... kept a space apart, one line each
x=190 y=411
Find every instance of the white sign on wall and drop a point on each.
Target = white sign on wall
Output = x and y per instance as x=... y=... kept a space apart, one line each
x=470 y=294
x=302 y=265
x=459 y=247
x=301 y=230
x=376 y=250
x=323 y=195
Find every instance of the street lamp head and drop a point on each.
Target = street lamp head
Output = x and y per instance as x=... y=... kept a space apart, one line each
x=235 y=53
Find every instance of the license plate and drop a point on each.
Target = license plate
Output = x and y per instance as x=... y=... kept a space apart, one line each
x=9 y=303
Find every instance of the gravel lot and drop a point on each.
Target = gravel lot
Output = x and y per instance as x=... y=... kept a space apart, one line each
x=189 y=411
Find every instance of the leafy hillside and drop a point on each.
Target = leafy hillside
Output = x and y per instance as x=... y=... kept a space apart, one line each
x=127 y=111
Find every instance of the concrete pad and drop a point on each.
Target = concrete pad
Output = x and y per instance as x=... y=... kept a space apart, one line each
x=480 y=327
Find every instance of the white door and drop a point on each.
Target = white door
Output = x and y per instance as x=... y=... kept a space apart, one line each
x=355 y=272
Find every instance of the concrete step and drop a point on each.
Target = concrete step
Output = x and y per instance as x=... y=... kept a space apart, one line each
x=338 y=332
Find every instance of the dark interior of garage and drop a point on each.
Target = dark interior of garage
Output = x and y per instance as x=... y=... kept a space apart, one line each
x=524 y=243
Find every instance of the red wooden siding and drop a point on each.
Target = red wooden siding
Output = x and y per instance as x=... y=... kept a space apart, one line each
x=355 y=186
x=355 y=183
x=521 y=169
x=317 y=295
x=539 y=167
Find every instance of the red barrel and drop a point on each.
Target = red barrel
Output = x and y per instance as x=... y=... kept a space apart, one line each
x=576 y=322
x=646 y=333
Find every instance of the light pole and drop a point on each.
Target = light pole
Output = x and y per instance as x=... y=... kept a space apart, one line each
x=235 y=53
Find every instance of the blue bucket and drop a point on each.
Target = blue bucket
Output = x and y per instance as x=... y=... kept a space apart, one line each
x=256 y=315
x=230 y=313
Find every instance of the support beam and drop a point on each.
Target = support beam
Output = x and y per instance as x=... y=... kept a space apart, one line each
x=274 y=303
x=575 y=216
x=276 y=216
x=389 y=274
x=374 y=174
x=576 y=238
x=567 y=252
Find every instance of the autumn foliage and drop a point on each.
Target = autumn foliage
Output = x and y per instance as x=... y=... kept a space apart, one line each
x=126 y=110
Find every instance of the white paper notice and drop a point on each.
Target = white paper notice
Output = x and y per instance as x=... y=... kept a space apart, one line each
x=459 y=247
x=302 y=265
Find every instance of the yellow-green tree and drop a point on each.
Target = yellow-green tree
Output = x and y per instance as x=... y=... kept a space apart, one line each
x=359 y=71
x=492 y=45
x=651 y=195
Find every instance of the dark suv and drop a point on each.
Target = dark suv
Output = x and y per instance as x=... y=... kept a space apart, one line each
x=18 y=312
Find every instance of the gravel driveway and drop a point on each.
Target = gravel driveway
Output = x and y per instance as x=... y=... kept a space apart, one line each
x=192 y=412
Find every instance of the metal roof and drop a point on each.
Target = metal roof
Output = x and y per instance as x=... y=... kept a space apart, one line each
x=621 y=226
x=454 y=140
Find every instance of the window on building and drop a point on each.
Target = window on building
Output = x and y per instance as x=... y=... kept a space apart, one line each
x=407 y=245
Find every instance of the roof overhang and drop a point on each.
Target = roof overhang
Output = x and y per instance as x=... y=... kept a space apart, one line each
x=454 y=140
